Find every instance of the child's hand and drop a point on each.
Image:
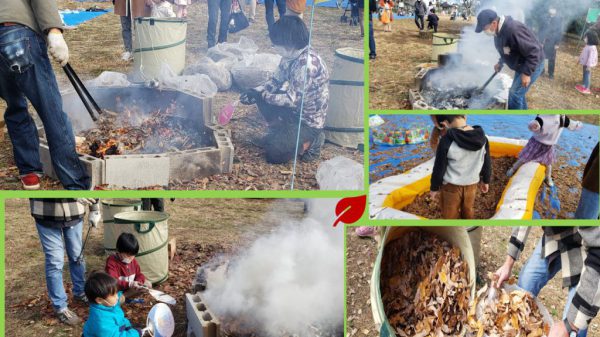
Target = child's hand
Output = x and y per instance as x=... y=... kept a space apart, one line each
x=484 y=187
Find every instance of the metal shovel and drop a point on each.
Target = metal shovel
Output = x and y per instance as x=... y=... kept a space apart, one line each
x=160 y=296
x=479 y=91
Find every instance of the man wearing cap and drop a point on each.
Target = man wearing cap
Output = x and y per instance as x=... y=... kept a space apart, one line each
x=518 y=48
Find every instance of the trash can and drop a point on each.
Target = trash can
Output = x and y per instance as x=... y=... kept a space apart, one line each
x=443 y=43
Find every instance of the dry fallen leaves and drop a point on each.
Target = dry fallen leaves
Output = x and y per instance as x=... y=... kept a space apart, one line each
x=512 y=313
x=425 y=286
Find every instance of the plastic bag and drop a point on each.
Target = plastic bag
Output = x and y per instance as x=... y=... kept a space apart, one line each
x=340 y=173
x=230 y=53
x=254 y=70
x=200 y=85
x=109 y=79
x=216 y=71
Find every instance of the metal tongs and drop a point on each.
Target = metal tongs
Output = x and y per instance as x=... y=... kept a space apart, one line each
x=480 y=90
x=90 y=104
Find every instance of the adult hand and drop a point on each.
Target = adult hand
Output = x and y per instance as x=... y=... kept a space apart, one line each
x=525 y=80
x=434 y=195
x=498 y=67
x=484 y=187
x=558 y=330
x=86 y=201
x=94 y=218
x=57 y=47
x=504 y=272
x=249 y=97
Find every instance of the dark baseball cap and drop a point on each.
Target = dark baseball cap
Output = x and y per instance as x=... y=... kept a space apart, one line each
x=484 y=18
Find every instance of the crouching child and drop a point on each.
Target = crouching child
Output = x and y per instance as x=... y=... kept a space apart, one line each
x=462 y=161
x=124 y=267
x=106 y=316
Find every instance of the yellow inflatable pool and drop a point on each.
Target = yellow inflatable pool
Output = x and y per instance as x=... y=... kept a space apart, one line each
x=389 y=195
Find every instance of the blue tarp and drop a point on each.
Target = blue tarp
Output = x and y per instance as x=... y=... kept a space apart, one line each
x=74 y=19
x=329 y=4
x=396 y=16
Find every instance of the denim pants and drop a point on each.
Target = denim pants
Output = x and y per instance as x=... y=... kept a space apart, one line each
x=420 y=21
x=537 y=272
x=516 y=95
x=587 y=78
x=588 y=205
x=54 y=241
x=214 y=6
x=372 y=51
x=25 y=72
x=270 y=14
x=126 y=32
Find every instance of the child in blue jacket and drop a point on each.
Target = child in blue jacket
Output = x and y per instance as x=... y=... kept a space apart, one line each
x=106 y=316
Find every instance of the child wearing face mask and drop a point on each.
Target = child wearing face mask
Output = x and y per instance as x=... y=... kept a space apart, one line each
x=124 y=267
x=588 y=59
x=106 y=316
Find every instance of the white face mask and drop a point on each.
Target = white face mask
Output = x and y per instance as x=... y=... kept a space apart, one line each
x=489 y=33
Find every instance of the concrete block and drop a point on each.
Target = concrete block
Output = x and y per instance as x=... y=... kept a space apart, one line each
x=201 y=321
x=46 y=160
x=191 y=164
x=136 y=171
x=225 y=144
x=94 y=167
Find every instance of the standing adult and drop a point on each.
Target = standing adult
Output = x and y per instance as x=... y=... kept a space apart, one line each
x=270 y=13
x=518 y=48
x=361 y=11
x=59 y=223
x=550 y=37
x=588 y=201
x=372 y=46
x=214 y=7
x=420 y=12
x=29 y=29
x=128 y=9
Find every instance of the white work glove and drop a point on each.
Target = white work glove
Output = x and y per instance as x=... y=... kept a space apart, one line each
x=58 y=48
x=87 y=201
x=94 y=218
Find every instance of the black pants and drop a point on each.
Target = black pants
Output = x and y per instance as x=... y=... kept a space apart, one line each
x=551 y=57
x=156 y=204
x=432 y=25
x=420 y=21
x=280 y=141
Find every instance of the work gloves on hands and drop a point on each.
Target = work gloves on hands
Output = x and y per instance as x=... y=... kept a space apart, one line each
x=249 y=97
x=57 y=47
x=94 y=217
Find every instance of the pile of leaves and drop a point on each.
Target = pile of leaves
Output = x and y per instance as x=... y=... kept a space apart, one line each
x=424 y=286
x=127 y=133
x=506 y=314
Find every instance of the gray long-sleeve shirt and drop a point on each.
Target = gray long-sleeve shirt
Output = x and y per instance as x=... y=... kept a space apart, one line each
x=39 y=15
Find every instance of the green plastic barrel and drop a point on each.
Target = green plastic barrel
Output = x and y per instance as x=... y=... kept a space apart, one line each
x=152 y=232
x=443 y=43
x=457 y=236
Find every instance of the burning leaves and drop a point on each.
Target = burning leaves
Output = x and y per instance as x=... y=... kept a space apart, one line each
x=133 y=131
x=513 y=313
x=425 y=286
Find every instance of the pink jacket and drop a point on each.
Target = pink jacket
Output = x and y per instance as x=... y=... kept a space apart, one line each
x=589 y=56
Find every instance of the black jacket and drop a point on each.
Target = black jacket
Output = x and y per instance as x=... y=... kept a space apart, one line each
x=457 y=163
x=518 y=46
x=420 y=9
x=433 y=19
x=551 y=31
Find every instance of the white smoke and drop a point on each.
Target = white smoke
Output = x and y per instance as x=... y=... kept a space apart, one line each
x=287 y=280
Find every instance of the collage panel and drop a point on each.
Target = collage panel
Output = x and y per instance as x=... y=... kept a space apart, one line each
x=173 y=267
x=472 y=281
x=160 y=95
x=496 y=166
x=484 y=55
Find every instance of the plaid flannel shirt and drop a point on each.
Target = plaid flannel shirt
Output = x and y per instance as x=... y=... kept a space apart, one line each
x=286 y=88
x=59 y=210
x=579 y=250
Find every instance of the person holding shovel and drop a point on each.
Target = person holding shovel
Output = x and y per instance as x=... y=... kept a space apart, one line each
x=573 y=250
x=59 y=223
x=518 y=48
x=29 y=29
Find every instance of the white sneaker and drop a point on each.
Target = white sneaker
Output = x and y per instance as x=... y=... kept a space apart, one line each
x=126 y=56
x=549 y=181
x=510 y=172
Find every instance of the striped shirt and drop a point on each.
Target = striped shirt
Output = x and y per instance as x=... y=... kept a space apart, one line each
x=579 y=251
x=58 y=212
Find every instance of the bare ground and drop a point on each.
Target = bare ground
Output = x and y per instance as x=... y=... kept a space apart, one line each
x=399 y=52
x=96 y=46
x=203 y=228
x=361 y=254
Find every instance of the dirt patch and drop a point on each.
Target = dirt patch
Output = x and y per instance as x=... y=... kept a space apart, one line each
x=485 y=205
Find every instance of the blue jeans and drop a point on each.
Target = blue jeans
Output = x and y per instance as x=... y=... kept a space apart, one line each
x=588 y=205
x=372 y=51
x=25 y=72
x=587 y=78
x=214 y=6
x=54 y=247
x=537 y=272
x=516 y=95
x=270 y=14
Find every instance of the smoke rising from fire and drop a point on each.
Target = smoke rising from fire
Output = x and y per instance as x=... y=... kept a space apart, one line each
x=288 y=280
